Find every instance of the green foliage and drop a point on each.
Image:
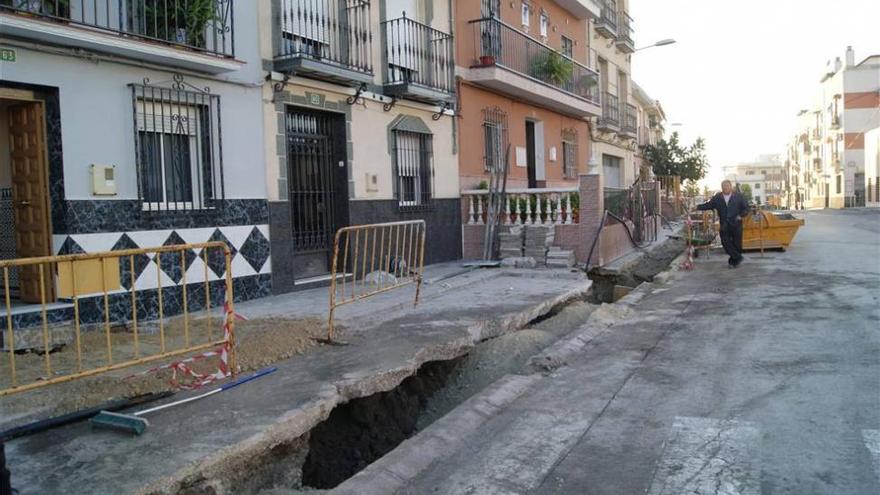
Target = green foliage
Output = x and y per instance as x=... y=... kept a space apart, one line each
x=669 y=157
x=746 y=191
x=553 y=68
x=180 y=22
x=483 y=186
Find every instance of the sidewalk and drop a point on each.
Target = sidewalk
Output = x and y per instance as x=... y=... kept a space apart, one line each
x=217 y=443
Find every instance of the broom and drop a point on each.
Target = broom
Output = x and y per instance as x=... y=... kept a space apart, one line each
x=135 y=423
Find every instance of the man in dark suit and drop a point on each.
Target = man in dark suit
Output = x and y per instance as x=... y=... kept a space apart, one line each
x=731 y=207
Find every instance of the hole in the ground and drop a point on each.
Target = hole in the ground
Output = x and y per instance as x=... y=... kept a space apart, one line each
x=363 y=430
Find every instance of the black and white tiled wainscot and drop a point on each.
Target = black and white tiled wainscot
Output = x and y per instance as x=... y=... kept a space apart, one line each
x=251 y=269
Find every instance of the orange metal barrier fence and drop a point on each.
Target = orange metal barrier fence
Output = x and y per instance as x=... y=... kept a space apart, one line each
x=376 y=258
x=94 y=279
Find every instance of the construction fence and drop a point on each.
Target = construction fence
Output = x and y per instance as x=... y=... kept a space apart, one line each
x=97 y=312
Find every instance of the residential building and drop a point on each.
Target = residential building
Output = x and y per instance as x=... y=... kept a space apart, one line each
x=872 y=167
x=765 y=178
x=826 y=155
x=615 y=132
x=525 y=85
x=358 y=126
x=124 y=127
x=651 y=125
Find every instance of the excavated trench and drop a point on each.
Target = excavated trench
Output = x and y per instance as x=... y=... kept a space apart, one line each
x=610 y=285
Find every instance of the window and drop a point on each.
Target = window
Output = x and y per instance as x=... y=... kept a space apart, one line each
x=611 y=171
x=413 y=168
x=569 y=154
x=177 y=145
x=757 y=186
x=545 y=22
x=526 y=14
x=494 y=139
x=567 y=47
x=838 y=185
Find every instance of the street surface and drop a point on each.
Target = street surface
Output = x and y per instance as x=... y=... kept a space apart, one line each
x=764 y=379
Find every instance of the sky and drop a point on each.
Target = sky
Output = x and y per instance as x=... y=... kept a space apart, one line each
x=741 y=70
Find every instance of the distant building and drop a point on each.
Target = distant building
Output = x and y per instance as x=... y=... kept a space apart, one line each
x=826 y=157
x=765 y=177
x=872 y=167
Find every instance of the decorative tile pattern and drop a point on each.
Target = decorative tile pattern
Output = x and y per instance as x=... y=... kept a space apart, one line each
x=216 y=259
x=174 y=264
x=141 y=261
x=70 y=247
x=256 y=249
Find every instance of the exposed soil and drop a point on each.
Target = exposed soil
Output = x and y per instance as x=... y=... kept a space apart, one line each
x=259 y=342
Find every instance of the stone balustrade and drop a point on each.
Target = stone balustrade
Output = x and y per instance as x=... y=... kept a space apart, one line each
x=543 y=206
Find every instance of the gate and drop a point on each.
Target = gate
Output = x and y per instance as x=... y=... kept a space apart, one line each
x=313 y=151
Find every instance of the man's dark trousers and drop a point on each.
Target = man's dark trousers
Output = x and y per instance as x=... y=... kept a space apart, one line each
x=732 y=241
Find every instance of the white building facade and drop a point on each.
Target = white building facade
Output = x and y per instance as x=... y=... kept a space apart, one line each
x=143 y=123
x=765 y=178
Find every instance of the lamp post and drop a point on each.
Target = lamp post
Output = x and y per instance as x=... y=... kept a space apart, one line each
x=668 y=41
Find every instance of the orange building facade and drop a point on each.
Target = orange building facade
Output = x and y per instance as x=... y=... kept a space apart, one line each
x=525 y=91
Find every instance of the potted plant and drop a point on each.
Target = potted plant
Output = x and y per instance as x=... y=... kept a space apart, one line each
x=487 y=60
x=553 y=68
x=184 y=22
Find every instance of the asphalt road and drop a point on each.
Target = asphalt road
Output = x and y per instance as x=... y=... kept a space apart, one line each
x=764 y=379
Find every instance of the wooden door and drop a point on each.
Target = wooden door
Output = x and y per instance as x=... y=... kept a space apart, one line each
x=30 y=197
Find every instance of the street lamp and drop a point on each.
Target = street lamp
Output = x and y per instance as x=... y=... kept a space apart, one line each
x=665 y=42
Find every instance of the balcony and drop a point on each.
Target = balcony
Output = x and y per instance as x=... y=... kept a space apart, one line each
x=835 y=122
x=625 y=41
x=176 y=34
x=582 y=9
x=630 y=121
x=326 y=39
x=606 y=24
x=513 y=63
x=419 y=63
x=610 y=119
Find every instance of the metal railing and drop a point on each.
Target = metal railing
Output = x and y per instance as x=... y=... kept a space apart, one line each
x=550 y=206
x=630 y=119
x=625 y=32
x=417 y=53
x=338 y=32
x=610 y=110
x=203 y=25
x=119 y=302
x=376 y=258
x=497 y=43
x=609 y=14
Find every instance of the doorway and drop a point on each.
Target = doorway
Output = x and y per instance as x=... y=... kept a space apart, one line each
x=318 y=185
x=827 y=194
x=531 y=158
x=24 y=197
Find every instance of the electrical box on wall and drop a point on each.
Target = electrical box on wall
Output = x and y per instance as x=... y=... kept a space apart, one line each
x=103 y=180
x=372 y=182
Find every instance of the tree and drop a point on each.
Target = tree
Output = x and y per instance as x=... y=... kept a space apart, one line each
x=746 y=191
x=671 y=158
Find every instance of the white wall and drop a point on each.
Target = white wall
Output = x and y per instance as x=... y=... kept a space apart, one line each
x=96 y=112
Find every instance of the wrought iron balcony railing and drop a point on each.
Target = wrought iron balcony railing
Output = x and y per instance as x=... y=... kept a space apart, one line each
x=630 y=120
x=335 y=32
x=610 y=111
x=606 y=24
x=625 y=34
x=499 y=44
x=203 y=25
x=418 y=54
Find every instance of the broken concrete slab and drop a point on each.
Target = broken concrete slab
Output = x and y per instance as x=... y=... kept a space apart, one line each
x=219 y=445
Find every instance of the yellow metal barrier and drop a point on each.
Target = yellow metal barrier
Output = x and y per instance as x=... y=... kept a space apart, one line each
x=375 y=258
x=93 y=278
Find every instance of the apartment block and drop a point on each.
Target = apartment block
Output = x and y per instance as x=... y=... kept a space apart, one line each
x=826 y=158
x=651 y=127
x=765 y=178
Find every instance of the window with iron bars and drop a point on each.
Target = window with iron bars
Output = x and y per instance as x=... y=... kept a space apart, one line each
x=178 y=148
x=569 y=154
x=413 y=168
x=494 y=139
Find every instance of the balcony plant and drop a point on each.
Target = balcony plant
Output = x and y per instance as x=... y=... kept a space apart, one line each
x=59 y=8
x=553 y=68
x=178 y=22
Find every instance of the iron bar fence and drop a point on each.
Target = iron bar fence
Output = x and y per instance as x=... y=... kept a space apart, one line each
x=611 y=110
x=630 y=120
x=120 y=301
x=497 y=43
x=418 y=54
x=204 y=25
x=625 y=32
x=338 y=32
x=609 y=14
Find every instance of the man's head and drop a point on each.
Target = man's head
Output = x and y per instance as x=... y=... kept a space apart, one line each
x=726 y=187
